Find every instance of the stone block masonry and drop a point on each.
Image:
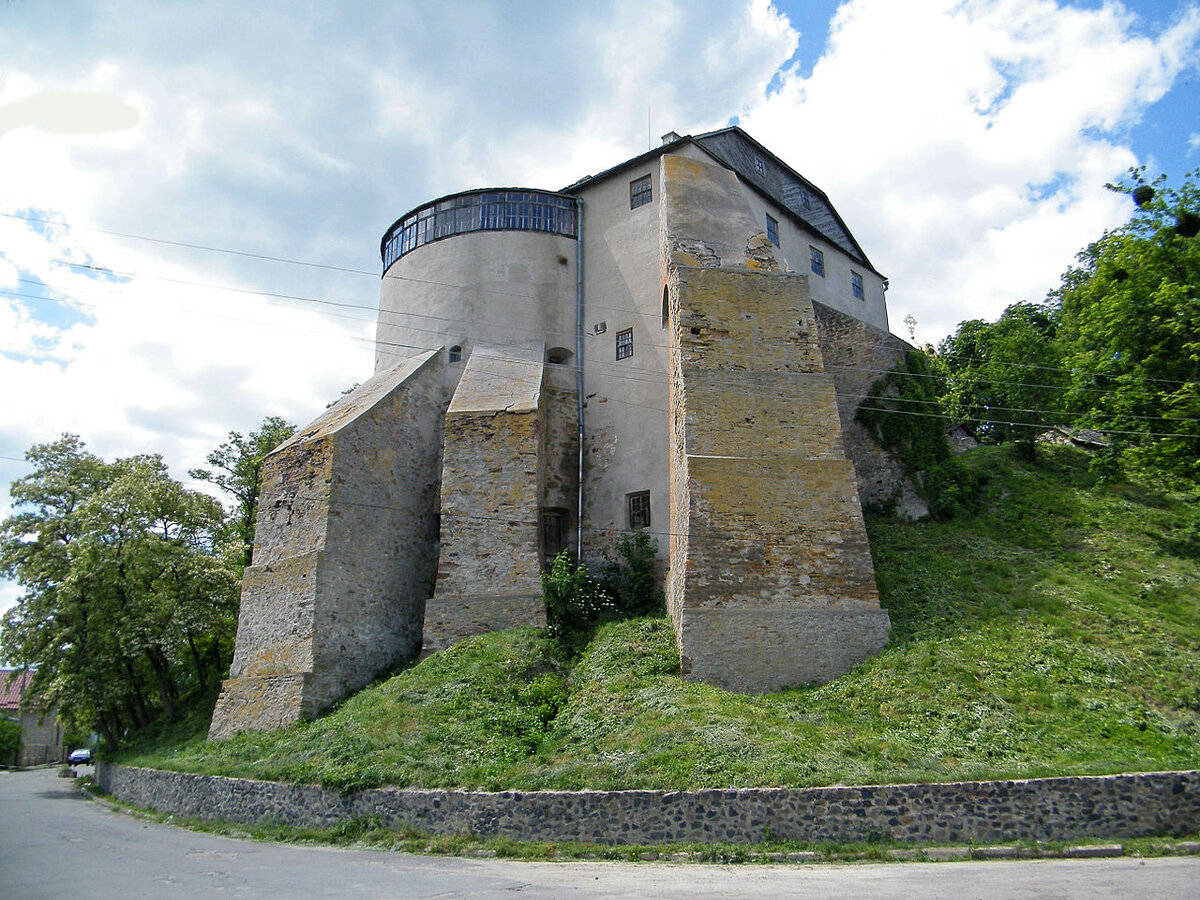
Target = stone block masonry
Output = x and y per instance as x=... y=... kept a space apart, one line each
x=855 y=355
x=771 y=580
x=493 y=481
x=343 y=553
x=1046 y=809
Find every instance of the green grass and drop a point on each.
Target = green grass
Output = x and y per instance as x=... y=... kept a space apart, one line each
x=1057 y=631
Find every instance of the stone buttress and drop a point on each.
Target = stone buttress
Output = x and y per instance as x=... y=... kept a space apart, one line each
x=771 y=582
x=493 y=493
x=344 y=552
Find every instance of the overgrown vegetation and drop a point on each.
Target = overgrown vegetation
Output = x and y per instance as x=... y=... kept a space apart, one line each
x=10 y=741
x=1055 y=631
x=129 y=582
x=578 y=602
x=1116 y=347
x=901 y=412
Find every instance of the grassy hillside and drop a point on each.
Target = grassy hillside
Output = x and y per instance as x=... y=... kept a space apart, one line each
x=1055 y=632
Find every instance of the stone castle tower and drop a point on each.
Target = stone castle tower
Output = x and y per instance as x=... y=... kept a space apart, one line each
x=677 y=344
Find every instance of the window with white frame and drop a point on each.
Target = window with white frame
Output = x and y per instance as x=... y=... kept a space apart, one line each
x=759 y=166
x=816 y=261
x=856 y=286
x=625 y=343
x=772 y=230
x=640 y=192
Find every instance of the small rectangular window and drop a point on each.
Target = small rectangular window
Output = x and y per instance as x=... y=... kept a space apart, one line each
x=639 y=509
x=806 y=199
x=625 y=343
x=759 y=166
x=816 y=261
x=640 y=192
x=856 y=286
x=772 y=230
x=553 y=532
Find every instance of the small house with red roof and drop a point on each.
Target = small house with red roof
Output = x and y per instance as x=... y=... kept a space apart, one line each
x=41 y=735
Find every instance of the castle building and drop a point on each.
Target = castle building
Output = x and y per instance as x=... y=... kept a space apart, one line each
x=677 y=344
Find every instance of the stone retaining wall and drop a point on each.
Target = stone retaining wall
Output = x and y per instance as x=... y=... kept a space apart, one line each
x=1109 y=806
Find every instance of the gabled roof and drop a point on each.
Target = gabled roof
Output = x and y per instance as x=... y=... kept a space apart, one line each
x=13 y=684
x=734 y=149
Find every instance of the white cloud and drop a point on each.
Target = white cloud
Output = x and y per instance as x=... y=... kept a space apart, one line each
x=967 y=144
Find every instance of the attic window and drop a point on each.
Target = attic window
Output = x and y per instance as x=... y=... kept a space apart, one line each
x=640 y=192
x=806 y=199
x=454 y=354
x=856 y=286
x=759 y=166
x=772 y=229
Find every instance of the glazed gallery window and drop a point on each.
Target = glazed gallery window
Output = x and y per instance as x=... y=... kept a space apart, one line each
x=856 y=286
x=816 y=261
x=640 y=192
x=639 y=509
x=772 y=230
x=625 y=343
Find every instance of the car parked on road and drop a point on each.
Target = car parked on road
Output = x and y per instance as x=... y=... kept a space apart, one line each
x=81 y=757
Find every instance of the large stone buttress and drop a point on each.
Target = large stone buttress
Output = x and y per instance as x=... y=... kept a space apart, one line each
x=496 y=486
x=771 y=581
x=344 y=552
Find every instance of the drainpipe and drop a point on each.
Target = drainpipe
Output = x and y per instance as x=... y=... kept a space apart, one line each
x=579 y=363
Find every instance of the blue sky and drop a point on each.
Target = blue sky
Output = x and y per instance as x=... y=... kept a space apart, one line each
x=219 y=173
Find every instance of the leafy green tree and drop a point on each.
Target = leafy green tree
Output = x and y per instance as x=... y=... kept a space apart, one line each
x=10 y=741
x=129 y=599
x=1130 y=327
x=1005 y=377
x=237 y=470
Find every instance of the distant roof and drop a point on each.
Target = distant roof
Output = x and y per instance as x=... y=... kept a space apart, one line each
x=806 y=204
x=13 y=684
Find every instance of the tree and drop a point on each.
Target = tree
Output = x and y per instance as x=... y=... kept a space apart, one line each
x=237 y=470
x=1005 y=377
x=1130 y=327
x=130 y=599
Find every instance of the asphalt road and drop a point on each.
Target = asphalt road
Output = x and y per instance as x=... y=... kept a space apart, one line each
x=55 y=843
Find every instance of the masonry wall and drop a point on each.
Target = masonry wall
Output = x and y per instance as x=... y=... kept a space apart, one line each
x=856 y=355
x=493 y=481
x=775 y=586
x=1050 y=809
x=41 y=738
x=344 y=552
x=626 y=446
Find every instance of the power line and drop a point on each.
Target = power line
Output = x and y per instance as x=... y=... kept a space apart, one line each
x=337 y=304
x=656 y=377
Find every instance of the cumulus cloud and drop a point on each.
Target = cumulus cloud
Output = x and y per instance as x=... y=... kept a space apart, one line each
x=968 y=144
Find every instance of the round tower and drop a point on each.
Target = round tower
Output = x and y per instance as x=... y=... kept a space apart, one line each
x=493 y=266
